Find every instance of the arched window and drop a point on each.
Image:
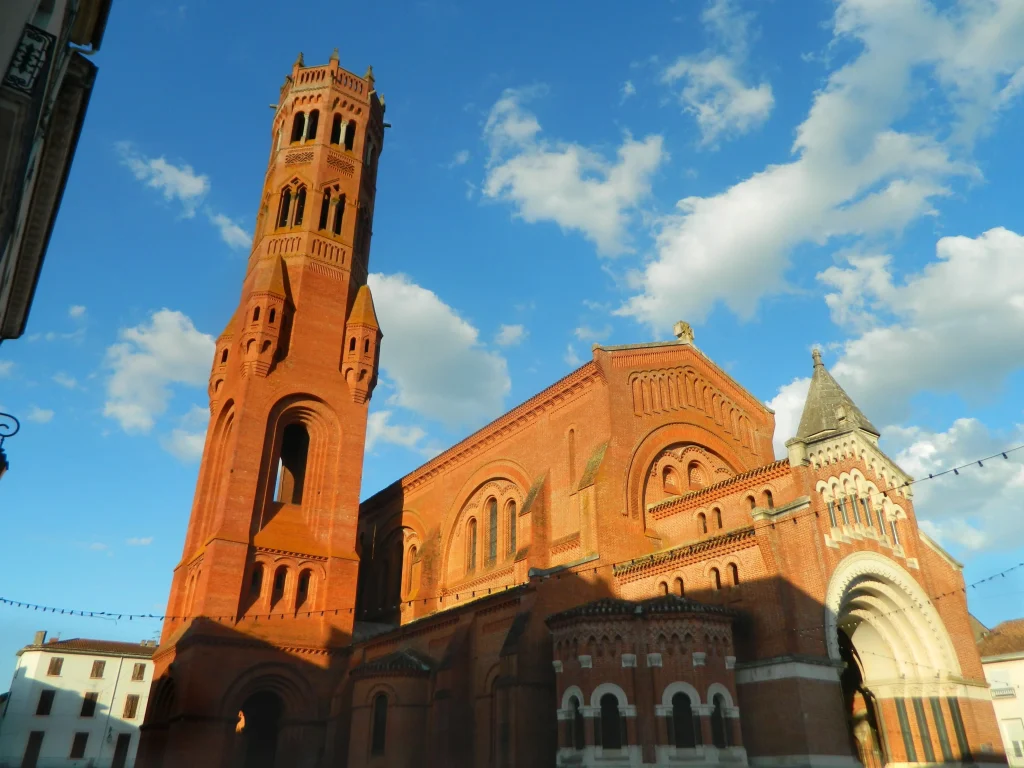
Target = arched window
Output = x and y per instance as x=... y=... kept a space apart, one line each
x=352 y=344
x=492 y=530
x=663 y=587
x=612 y=725
x=300 y=205
x=679 y=589
x=576 y=733
x=510 y=511
x=313 y=124
x=716 y=579
x=895 y=532
x=751 y=503
x=256 y=581
x=734 y=572
x=410 y=559
x=292 y=464
x=280 y=580
x=718 y=517
x=697 y=478
x=670 y=480
x=256 y=314
x=286 y=204
x=336 y=129
x=571 y=439
x=350 y=134
x=366 y=346
x=702 y=522
x=769 y=502
x=224 y=356
x=298 y=126
x=273 y=314
x=339 y=214
x=471 y=546
x=719 y=729
x=683 y=729
x=302 y=592
x=325 y=209
x=380 y=724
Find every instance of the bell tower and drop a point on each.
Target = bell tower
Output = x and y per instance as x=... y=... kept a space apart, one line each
x=273 y=524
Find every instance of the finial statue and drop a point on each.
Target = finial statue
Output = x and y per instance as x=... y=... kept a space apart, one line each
x=683 y=331
x=299 y=62
x=369 y=74
x=334 y=56
x=816 y=357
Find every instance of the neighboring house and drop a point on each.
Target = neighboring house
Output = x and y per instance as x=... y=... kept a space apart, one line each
x=76 y=703
x=1002 y=657
x=45 y=85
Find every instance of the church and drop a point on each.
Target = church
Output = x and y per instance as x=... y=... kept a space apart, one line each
x=616 y=572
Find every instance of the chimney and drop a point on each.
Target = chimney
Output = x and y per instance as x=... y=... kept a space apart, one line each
x=40 y=637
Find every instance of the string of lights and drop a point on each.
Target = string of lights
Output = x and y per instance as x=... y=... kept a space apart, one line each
x=485 y=591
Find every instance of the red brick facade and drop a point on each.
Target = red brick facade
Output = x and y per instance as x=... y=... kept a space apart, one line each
x=615 y=572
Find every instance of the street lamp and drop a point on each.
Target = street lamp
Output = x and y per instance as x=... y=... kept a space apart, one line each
x=9 y=427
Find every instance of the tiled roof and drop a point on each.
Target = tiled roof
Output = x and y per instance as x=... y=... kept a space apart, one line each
x=397 y=663
x=1005 y=638
x=677 y=553
x=828 y=408
x=613 y=606
x=102 y=647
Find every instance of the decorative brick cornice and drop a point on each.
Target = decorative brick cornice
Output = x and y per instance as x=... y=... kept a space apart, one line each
x=711 y=493
x=566 y=543
x=642 y=566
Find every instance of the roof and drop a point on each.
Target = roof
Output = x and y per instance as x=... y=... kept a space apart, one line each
x=662 y=604
x=271 y=280
x=100 y=647
x=684 y=550
x=363 y=312
x=828 y=409
x=398 y=663
x=1005 y=638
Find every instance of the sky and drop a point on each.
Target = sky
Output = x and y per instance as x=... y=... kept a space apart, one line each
x=782 y=175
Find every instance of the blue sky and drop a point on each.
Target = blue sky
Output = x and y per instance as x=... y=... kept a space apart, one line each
x=840 y=176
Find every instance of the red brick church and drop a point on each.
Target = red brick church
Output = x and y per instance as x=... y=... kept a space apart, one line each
x=617 y=572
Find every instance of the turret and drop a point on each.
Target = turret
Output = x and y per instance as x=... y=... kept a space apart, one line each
x=362 y=347
x=265 y=317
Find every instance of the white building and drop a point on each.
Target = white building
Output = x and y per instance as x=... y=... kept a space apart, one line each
x=1002 y=657
x=76 y=703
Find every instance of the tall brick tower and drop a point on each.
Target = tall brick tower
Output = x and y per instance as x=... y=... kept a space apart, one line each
x=273 y=524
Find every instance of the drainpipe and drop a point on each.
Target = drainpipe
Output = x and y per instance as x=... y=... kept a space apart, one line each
x=113 y=697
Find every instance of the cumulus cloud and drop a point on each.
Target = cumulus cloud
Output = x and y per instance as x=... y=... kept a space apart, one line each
x=713 y=89
x=175 y=182
x=788 y=405
x=76 y=311
x=69 y=382
x=586 y=333
x=855 y=173
x=148 y=359
x=39 y=415
x=435 y=359
x=568 y=184
x=230 y=232
x=510 y=335
x=379 y=429
x=571 y=358
x=187 y=440
x=461 y=158
x=977 y=509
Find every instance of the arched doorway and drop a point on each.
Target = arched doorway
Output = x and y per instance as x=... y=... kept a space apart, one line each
x=258 y=727
x=897 y=655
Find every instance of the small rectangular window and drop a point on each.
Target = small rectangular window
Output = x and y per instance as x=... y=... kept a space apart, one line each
x=45 y=702
x=78 y=745
x=97 y=669
x=89 y=704
x=139 y=672
x=131 y=706
x=56 y=664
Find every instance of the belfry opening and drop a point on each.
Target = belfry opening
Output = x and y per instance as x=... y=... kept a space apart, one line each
x=291 y=467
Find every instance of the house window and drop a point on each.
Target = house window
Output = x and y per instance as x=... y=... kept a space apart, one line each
x=832 y=513
x=492 y=531
x=734 y=572
x=292 y=464
x=612 y=723
x=575 y=724
x=702 y=522
x=719 y=728
x=696 y=476
x=311 y=126
x=769 y=501
x=33 y=748
x=280 y=579
x=56 y=664
x=302 y=593
x=45 y=702
x=98 y=668
x=679 y=590
x=325 y=209
x=663 y=587
x=256 y=314
x=410 y=559
x=511 y=512
x=716 y=579
x=718 y=517
x=224 y=356
x=471 y=546
x=89 y=704
x=339 y=214
x=895 y=532
x=300 y=205
x=683 y=725
x=78 y=745
x=350 y=134
x=286 y=204
x=131 y=706
x=139 y=672
x=298 y=126
x=842 y=510
x=751 y=503
x=256 y=581
x=670 y=481
x=380 y=724
x=336 y=129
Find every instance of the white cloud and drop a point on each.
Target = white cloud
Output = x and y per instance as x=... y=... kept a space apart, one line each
x=435 y=359
x=571 y=358
x=70 y=382
x=628 y=90
x=6 y=368
x=957 y=326
x=379 y=429
x=977 y=509
x=713 y=89
x=143 y=541
x=586 y=333
x=568 y=184
x=853 y=174
x=76 y=311
x=788 y=405
x=180 y=183
x=510 y=335
x=149 y=358
x=39 y=415
x=230 y=232
x=461 y=158
x=98 y=546
x=187 y=440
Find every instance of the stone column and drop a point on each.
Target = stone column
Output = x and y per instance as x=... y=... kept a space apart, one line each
x=732 y=722
x=663 y=716
x=705 y=710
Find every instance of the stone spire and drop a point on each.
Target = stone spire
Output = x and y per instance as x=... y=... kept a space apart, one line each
x=828 y=409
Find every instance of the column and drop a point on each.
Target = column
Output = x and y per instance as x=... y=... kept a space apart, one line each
x=732 y=722
x=704 y=711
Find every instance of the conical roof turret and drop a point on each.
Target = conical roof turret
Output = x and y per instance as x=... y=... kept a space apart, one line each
x=828 y=409
x=363 y=312
x=271 y=280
